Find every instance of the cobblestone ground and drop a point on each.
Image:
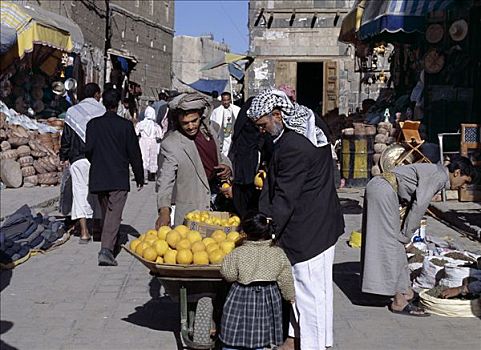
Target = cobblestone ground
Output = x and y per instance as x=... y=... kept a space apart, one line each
x=63 y=300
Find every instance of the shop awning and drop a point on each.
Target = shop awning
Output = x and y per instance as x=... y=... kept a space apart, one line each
x=393 y=16
x=226 y=59
x=351 y=23
x=35 y=25
x=207 y=86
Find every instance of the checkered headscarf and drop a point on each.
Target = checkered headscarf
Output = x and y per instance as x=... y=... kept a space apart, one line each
x=296 y=117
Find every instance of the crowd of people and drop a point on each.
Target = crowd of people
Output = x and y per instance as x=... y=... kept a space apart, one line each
x=193 y=144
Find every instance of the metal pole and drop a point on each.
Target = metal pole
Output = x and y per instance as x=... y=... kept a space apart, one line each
x=107 y=37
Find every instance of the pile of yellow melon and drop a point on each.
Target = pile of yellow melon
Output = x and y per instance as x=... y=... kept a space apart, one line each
x=210 y=218
x=183 y=246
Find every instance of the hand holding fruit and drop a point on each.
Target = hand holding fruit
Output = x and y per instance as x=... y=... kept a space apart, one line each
x=223 y=171
x=259 y=179
x=226 y=190
x=163 y=219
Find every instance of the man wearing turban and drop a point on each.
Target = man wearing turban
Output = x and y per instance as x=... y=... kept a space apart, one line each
x=300 y=196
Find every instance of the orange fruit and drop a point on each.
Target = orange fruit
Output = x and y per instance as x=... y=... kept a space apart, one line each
x=162 y=232
x=198 y=247
x=216 y=256
x=201 y=258
x=184 y=256
x=149 y=254
x=218 y=235
x=172 y=238
x=160 y=247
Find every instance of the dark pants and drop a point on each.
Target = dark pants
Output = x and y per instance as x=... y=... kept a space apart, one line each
x=112 y=204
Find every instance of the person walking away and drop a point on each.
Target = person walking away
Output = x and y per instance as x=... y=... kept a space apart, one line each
x=222 y=121
x=299 y=194
x=150 y=134
x=384 y=237
x=260 y=272
x=72 y=150
x=111 y=145
x=191 y=163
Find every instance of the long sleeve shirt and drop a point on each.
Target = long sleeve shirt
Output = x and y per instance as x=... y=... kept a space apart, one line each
x=417 y=184
x=258 y=261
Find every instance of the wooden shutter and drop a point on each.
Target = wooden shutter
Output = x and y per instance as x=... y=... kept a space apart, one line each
x=286 y=73
x=331 y=87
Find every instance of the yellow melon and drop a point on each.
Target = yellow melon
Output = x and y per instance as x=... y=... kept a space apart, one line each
x=182 y=229
x=170 y=257
x=201 y=258
x=211 y=247
x=184 y=256
x=134 y=244
x=159 y=260
x=194 y=236
x=172 y=238
x=149 y=254
x=160 y=247
x=233 y=236
x=162 y=232
x=208 y=240
x=218 y=236
x=183 y=244
x=140 y=248
x=197 y=247
x=216 y=256
x=227 y=246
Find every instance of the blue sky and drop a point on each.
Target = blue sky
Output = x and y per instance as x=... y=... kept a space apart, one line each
x=226 y=19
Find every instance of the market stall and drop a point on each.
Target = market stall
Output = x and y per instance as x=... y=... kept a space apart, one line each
x=39 y=69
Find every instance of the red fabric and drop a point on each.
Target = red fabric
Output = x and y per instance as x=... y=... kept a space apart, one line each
x=208 y=154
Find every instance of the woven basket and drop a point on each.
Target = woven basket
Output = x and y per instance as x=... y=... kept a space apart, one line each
x=18 y=131
x=5 y=146
x=18 y=141
x=451 y=307
x=28 y=171
x=3 y=135
x=9 y=154
x=23 y=151
x=26 y=161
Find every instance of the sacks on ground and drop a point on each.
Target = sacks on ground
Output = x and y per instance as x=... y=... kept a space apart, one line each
x=455 y=274
x=431 y=272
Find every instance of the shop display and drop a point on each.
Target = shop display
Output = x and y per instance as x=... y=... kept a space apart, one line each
x=30 y=153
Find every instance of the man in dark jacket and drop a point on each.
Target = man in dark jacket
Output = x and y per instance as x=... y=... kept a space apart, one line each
x=111 y=146
x=72 y=150
x=300 y=196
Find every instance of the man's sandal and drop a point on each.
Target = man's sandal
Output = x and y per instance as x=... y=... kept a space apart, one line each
x=410 y=310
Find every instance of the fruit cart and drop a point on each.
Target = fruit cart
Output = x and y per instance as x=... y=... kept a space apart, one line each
x=205 y=284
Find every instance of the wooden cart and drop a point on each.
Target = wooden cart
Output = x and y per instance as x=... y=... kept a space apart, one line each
x=204 y=283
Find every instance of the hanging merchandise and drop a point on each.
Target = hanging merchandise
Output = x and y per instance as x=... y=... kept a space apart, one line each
x=458 y=30
x=434 y=33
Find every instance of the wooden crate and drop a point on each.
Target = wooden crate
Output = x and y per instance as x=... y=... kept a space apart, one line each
x=205 y=229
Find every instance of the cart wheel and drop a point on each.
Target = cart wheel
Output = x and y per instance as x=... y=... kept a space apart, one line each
x=203 y=321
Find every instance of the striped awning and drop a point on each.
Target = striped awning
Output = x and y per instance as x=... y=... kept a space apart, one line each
x=393 y=16
x=35 y=25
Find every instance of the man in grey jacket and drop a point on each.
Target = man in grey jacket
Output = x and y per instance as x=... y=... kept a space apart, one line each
x=190 y=161
x=383 y=256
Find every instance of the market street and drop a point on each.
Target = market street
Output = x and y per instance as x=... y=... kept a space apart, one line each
x=63 y=300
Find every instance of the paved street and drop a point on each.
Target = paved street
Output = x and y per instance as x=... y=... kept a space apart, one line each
x=63 y=300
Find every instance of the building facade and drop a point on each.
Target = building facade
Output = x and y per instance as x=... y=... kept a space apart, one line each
x=140 y=32
x=295 y=42
x=190 y=54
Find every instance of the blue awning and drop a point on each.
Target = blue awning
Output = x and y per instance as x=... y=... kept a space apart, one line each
x=207 y=86
x=395 y=16
x=8 y=38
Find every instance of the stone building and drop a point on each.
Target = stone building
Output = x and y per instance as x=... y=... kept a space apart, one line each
x=190 y=54
x=141 y=32
x=295 y=42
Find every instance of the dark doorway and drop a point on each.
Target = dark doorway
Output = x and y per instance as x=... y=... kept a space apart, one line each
x=310 y=84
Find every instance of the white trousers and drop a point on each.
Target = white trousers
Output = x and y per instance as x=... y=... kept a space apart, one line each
x=81 y=207
x=150 y=151
x=312 y=317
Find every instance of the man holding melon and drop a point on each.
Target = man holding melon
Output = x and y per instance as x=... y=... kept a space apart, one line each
x=299 y=194
x=191 y=163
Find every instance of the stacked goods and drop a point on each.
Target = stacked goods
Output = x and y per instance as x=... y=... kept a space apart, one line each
x=28 y=157
x=183 y=246
x=385 y=136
